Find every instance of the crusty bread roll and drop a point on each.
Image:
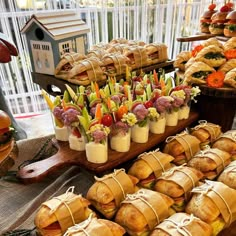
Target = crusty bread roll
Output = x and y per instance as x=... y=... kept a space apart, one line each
x=227 y=142
x=197 y=73
x=107 y=192
x=55 y=216
x=182 y=147
x=230 y=76
x=206 y=132
x=210 y=162
x=149 y=166
x=212 y=56
x=157 y=52
x=228 y=176
x=214 y=203
x=142 y=211
x=177 y=183
x=66 y=63
x=95 y=227
x=181 y=223
x=181 y=59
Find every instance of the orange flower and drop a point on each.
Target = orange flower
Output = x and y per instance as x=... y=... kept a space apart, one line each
x=230 y=54
x=196 y=50
x=216 y=79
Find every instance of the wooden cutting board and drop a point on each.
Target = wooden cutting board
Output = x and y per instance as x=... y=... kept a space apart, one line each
x=36 y=171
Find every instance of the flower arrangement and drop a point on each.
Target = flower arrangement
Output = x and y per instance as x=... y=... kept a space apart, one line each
x=98 y=133
x=163 y=104
x=153 y=115
x=141 y=113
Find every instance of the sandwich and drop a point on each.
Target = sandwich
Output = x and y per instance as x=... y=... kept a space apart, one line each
x=205 y=20
x=157 y=52
x=211 y=162
x=99 y=53
x=182 y=147
x=177 y=183
x=108 y=191
x=230 y=25
x=67 y=62
x=218 y=19
x=8 y=148
x=149 y=166
x=197 y=73
x=206 y=132
x=96 y=227
x=86 y=71
x=230 y=78
x=56 y=215
x=181 y=59
x=214 y=203
x=211 y=55
x=115 y=64
x=140 y=212
x=227 y=142
x=181 y=223
x=228 y=176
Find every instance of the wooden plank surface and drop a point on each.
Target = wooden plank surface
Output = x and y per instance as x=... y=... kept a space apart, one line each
x=36 y=171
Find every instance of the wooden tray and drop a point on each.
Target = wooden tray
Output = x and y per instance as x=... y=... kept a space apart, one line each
x=65 y=156
x=55 y=86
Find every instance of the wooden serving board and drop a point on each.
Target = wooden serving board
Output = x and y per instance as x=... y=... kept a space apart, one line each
x=36 y=171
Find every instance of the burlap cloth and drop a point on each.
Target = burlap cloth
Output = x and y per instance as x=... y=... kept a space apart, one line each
x=19 y=202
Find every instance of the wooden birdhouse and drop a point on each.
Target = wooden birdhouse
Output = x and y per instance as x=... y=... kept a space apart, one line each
x=50 y=35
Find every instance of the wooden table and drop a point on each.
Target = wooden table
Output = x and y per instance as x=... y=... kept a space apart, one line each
x=55 y=86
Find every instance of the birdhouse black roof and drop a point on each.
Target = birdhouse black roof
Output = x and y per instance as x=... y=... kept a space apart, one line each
x=58 y=25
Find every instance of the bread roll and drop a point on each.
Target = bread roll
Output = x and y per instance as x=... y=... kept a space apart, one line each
x=210 y=162
x=177 y=183
x=181 y=223
x=149 y=166
x=230 y=76
x=214 y=203
x=141 y=212
x=55 y=216
x=182 y=147
x=107 y=192
x=212 y=56
x=96 y=227
x=228 y=176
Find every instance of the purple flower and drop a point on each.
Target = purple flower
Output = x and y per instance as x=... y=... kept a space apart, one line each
x=140 y=112
x=116 y=99
x=98 y=136
x=163 y=104
x=119 y=127
x=177 y=102
x=70 y=116
x=187 y=95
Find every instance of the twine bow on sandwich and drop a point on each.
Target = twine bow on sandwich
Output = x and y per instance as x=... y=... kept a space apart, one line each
x=171 y=138
x=80 y=227
x=181 y=226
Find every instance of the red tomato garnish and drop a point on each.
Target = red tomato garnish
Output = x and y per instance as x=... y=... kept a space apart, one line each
x=230 y=54
x=212 y=6
x=225 y=8
x=107 y=120
x=216 y=79
x=148 y=104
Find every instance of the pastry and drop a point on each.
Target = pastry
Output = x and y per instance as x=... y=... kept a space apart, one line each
x=177 y=183
x=230 y=44
x=181 y=224
x=108 y=191
x=230 y=78
x=140 y=212
x=210 y=162
x=212 y=41
x=149 y=166
x=212 y=56
x=197 y=73
x=56 y=215
x=228 y=65
x=181 y=60
x=182 y=147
